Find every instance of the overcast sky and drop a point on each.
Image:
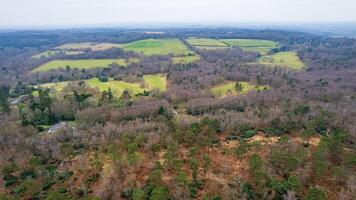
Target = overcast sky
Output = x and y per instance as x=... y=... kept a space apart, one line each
x=116 y=12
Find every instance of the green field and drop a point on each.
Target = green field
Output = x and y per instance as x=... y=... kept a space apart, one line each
x=185 y=59
x=228 y=89
x=88 y=45
x=80 y=64
x=117 y=87
x=286 y=59
x=158 y=47
x=155 y=81
x=55 y=87
x=205 y=42
x=261 y=46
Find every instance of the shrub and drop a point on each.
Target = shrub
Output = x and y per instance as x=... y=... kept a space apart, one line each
x=315 y=194
x=138 y=194
x=103 y=79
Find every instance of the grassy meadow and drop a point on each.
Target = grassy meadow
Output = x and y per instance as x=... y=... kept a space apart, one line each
x=261 y=46
x=206 y=42
x=155 y=81
x=117 y=87
x=286 y=59
x=80 y=64
x=228 y=89
x=158 y=47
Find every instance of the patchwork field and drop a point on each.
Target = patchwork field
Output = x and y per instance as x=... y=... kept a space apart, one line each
x=80 y=64
x=158 y=47
x=156 y=81
x=88 y=45
x=261 y=46
x=228 y=89
x=185 y=59
x=205 y=42
x=286 y=59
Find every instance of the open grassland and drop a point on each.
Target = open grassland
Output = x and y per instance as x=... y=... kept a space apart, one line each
x=54 y=87
x=158 y=47
x=88 y=45
x=205 y=42
x=156 y=81
x=80 y=64
x=117 y=87
x=261 y=46
x=228 y=89
x=185 y=59
x=47 y=54
x=286 y=59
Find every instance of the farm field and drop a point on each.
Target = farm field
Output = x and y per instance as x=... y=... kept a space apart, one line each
x=88 y=45
x=155 y=81
x=261 y=46
x=228 y=89
x=206 y=42
x=287 y=59
x=158 y=47
x=80 y=64
x=185 y=59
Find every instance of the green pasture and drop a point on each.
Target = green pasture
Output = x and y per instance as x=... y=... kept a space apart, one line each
x=80 y=64
x=206 y=42
x=286 y=59
x=255 y=45
x=117 y=87
x=155 y=81
x=158 y=47
x=185 y=59
x=228 y=89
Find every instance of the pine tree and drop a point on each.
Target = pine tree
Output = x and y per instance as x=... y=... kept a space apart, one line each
x=4 y=95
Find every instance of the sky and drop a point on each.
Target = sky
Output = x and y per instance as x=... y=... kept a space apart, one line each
x=27 y=13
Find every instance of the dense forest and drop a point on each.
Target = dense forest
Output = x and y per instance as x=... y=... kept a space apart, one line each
x=292 y=139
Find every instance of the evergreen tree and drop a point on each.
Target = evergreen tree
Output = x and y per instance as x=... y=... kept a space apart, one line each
x=238 y=87
x=4 y=95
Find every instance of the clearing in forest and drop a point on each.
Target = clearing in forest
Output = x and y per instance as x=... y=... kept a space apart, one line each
x=286 y=59
x=155 y=81
x=255 y=45
x=81 y=64
x=158 y=47
x=230 y=89
x=117 y=87
x=206 y=43
x=185 y=59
